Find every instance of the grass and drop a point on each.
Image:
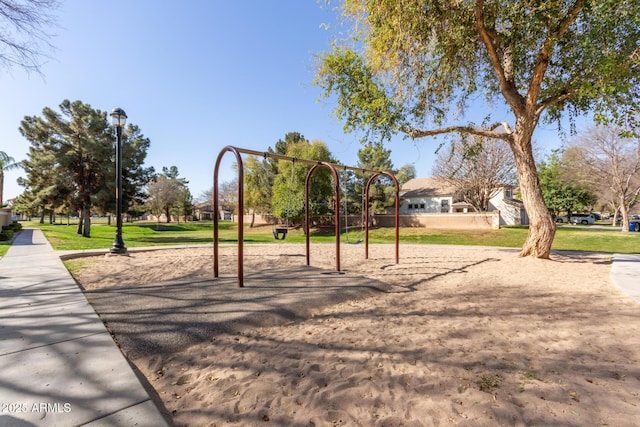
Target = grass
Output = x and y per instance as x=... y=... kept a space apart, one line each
x=4 y=247
x=63 y=237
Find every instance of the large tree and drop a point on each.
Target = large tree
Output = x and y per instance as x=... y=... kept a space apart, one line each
x=610 y=160
x=423 y=58
x=47 y=189
x=70 y=163
x=563 y=190
x=169 y=193
x=288 y=190
x=80 y=140
x=374 y=156
x=476 y=170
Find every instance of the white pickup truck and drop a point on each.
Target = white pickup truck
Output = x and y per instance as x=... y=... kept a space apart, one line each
x=584 y=218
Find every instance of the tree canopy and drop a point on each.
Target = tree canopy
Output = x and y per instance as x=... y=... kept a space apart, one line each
x=288 y=190
x=168 y=194
x=609 y=161
x=416 y=65
x=71 y=159
x=563 y=191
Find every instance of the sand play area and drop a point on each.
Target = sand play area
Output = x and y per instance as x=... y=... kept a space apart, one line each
x=451 y=336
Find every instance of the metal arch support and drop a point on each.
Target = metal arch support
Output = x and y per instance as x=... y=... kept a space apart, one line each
x=236 y=152
x=371 y=180
x=336 y=182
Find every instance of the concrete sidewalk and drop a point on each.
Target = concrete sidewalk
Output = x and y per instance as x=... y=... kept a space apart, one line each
x=625 y=274
x=59 y=366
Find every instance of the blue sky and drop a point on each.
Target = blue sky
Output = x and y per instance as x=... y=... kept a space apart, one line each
x=195 y=76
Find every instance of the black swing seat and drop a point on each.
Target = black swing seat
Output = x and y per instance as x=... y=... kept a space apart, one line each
x=280 y=233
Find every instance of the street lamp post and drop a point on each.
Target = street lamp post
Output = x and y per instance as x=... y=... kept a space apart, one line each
x=118 y=119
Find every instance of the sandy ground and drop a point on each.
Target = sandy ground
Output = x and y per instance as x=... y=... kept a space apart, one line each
x=466 y=337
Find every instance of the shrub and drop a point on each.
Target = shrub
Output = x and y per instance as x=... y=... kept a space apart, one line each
x=15 y=226
x=6 y=235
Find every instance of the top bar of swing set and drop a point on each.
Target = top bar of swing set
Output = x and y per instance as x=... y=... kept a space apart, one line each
x=236 y=151
x=266 y=154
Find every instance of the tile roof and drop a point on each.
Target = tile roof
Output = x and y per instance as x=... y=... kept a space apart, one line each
x=427 y=187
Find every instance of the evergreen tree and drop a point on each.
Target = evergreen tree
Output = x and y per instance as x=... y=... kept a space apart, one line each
x=71 y=161
x=375 y=157
x=80 y=141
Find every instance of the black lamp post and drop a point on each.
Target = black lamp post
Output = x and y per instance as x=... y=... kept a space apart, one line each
x=118 y=119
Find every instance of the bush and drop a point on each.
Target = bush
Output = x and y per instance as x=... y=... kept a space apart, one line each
x=6 y=235
x=15 y=226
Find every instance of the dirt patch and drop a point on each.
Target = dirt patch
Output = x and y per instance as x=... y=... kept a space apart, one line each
x=460 y=336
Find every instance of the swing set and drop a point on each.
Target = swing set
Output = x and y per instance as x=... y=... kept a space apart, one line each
x=280 y=233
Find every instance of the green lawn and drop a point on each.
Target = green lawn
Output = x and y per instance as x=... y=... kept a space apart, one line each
x=63 y=237
x=4 y=247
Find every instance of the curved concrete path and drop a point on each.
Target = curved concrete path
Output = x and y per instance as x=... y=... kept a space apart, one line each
x=625 y=273
x=58 y=364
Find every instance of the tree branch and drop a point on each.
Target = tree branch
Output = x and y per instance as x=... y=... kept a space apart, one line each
x=544 y=55
x=552 y=100
x=507 y=86
x=487 y=133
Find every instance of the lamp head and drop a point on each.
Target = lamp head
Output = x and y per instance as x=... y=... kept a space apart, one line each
x=118 y=117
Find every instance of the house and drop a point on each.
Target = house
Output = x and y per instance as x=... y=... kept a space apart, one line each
x=204 y=211
x=512 y=210
x=426 y=195
x=431 y=195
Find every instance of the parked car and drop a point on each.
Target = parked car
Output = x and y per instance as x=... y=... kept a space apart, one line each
x=562 y=218
x=583 y=218
x=636 y=217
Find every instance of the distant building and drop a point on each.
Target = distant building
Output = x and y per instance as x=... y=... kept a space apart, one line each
x=204 y=211
x=426 y=195
x=431 y=195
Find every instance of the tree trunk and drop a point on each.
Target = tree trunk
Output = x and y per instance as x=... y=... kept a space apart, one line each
x=86 y=213
x=542 y=228
x=168 y=215
x=624 y=213
x=80 y=222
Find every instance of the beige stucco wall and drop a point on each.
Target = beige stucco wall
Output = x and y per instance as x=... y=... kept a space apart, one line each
x=483 y=220
x=5 y=216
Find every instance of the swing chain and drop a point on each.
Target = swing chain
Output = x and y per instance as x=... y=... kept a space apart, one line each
x=287 y=212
